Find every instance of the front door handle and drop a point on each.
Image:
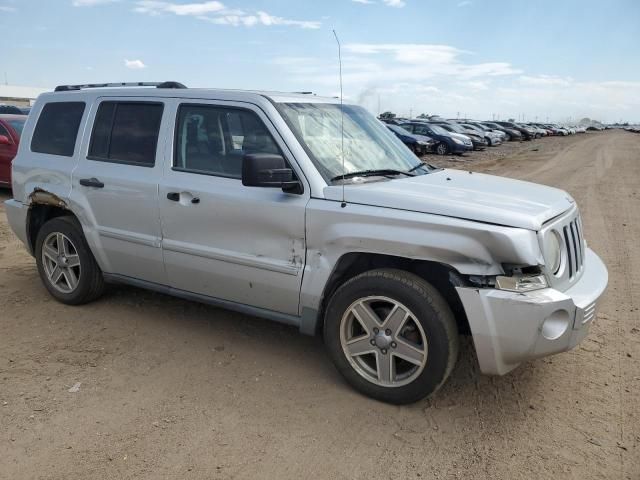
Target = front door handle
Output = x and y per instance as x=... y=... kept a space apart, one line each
x=91 y=182
x=175 y=197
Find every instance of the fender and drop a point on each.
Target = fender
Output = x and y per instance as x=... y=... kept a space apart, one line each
x=471 y=248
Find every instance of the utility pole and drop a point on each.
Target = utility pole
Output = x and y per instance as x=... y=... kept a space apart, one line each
x=411 y=113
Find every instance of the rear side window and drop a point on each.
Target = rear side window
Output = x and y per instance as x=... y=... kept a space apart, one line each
x=57 y=128
x=126 y=132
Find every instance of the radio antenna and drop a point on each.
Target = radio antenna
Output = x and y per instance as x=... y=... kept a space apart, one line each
x=343 y=204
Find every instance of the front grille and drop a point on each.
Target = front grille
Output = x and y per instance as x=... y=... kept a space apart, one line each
x=572 y=233
x=568 y=227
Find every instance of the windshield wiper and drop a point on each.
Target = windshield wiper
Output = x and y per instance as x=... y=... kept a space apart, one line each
x=371 y=173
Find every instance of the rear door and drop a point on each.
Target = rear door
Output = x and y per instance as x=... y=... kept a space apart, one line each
x=116 y=183
x=221 y=239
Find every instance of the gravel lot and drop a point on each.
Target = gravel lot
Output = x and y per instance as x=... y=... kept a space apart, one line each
x=172 y=389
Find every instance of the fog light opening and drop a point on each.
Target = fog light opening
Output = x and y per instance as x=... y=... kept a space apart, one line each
x=555 y=325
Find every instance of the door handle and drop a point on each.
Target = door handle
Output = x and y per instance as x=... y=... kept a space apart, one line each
x=91 y=182
x=175 y=197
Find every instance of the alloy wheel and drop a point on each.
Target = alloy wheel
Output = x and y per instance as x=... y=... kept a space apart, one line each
x=61 y=262
x=383 y=341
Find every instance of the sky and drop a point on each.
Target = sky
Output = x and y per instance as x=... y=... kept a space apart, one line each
x=560 y=60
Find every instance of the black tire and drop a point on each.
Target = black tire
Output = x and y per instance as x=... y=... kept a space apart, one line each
x=429 y=309
x=443 y=149
x=90 y=282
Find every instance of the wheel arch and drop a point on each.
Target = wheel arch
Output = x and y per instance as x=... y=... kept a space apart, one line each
x=443 y=277
x=40 y=212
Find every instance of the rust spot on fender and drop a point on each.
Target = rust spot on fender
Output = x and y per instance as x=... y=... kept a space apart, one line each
x=42 y=197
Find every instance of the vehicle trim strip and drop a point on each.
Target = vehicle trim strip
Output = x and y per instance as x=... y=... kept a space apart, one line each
x=231 y=257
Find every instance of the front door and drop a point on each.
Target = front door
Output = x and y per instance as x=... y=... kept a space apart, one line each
x=222 y=239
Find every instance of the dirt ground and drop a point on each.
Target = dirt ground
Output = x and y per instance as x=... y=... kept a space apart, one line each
x=172 y=389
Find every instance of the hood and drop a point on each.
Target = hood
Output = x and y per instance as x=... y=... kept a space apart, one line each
x=461 y=194
x=460 y=136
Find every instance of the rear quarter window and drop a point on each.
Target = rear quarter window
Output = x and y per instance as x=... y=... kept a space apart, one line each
x=57 y=128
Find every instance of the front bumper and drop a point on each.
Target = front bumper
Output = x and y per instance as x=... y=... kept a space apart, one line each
x=17 y=213
x=460 y=148
x=509 y=328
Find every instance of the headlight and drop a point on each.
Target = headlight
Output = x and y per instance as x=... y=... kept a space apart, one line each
x=553 y=251
x=458 y=141
x=521 y=283
x=421 y=142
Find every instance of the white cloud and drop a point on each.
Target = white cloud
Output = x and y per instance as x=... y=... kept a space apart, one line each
x=4 y=8
x=442 y=79
x=542 y=80
x=154 y=7
x=91 y=3
x=394 y=3
x=217 y=13
x=134 y=64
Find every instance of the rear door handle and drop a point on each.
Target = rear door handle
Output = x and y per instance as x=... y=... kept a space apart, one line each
x=91 y=182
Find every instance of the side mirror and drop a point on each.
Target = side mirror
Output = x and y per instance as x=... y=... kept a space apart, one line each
x=4 y=140
x=268 y=170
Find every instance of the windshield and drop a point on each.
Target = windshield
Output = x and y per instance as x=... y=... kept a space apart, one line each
x=456 y=128
x=439 y=130
x=17 y=125
x=398 y=130
x=368 y=144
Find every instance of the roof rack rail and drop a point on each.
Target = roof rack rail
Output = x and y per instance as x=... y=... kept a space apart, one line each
x=69 y=88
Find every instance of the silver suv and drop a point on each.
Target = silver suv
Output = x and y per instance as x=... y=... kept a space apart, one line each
x=294 y=208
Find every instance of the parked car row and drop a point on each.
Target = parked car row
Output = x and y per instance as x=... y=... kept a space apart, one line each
x=13 y=110
x=633 y=129
x=457 y=136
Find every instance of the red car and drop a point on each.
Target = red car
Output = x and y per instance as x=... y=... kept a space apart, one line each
x=10 y=131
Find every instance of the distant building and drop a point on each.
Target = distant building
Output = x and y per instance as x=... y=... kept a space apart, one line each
x=19 y=96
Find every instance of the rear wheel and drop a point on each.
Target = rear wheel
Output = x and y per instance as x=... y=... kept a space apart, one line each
x=391 y=335
x=65 y=263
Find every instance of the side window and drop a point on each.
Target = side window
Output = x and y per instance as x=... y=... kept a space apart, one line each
x=421 y=130
x=57 y=128
x=213 y=140
x=126 y=132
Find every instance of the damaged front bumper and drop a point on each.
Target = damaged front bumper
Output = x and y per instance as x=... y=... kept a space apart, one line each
x=510 y=328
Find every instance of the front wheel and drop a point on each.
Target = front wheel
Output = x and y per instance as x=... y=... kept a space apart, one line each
x=391 y=335
x=442 y=149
